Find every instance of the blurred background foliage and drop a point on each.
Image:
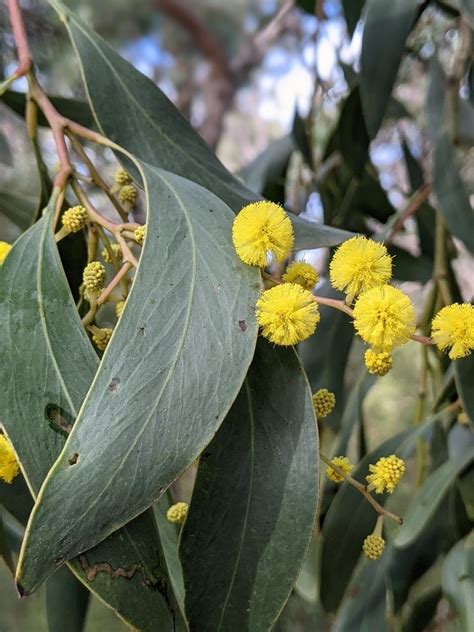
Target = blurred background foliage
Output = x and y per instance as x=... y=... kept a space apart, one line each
x=279 y=100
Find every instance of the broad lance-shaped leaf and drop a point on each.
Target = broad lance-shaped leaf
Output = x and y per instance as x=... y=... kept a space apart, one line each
x=464 y=376
x=254 y=503
x=47 y=367
x=385 y=32
x=457 y=580
x=167 y=379
x=132 y=111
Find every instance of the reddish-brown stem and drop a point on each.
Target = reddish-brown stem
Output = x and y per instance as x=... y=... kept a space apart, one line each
x=416 y=200
x=20 y=37
x=113 y=283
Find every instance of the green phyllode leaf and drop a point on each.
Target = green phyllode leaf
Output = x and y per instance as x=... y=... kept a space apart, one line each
x=381 y=55
x=133 y=112
x=154 y=403
x=254 y=503
x=458 y=581
x=48 y=360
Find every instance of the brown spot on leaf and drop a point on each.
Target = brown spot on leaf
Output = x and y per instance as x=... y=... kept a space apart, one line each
x=243 y=325
x=73 y=458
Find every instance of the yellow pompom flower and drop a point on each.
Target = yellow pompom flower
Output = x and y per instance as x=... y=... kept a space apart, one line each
x=373 y=546
x=177 y=512
x=122 y=177
x=74 y=219
x=9 y=467
x=301 y=273
x=384 y=317
x=323 y=402
x=287 y=314
x=139 y=234
x=101 y=337
x=260 y=228
x=117 y=250
x=94 y=277
x=360 y=264
x=341 y=462
x=385 y=474
x=4 y=250
x=453 y=327
x=378 y=363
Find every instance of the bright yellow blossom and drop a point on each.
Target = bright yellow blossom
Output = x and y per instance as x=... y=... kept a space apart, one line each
x=101 y=337
x=74 y=219
x=378 y=363
x=360 y=264
x=341 y=462
x=373 y=546
x=287 y=314
x=177 y=512
x=94 y=277
x=4 y=250
x=301 y=273
x=453 y=327
x=140 y=234
x=9 y=467
x=386 y=474
x=323 y=402
x=260 y=228
x=384 y=317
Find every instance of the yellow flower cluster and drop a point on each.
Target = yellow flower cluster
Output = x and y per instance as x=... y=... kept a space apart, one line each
x=4 y=250
x=262 y=228
x=360 y=264
x=453 y=328
x=301 y=273
x=378 y=363
x=139 y=234
x=177 y=512
x=385 y=474
x=94 y=277
x=128 y=194
x=9 y=467
x=373 y=546
x=101 y=337
x=122 y=177
x=287 y=314
x=116 y=250
x=119 y=308
x=323 y=402
x=74 y=219
x=341 y=462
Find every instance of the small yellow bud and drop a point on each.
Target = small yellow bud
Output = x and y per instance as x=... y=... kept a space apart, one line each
x=386 y=474
x=373 y=546
x=122 y=177
x=341 y=462
x=116 y=250
x=301 y=273
x=9 y=467
x=101 y=337
x=323 y=402
x=94 y=277
x=378 y=363
x=463 y=418
x=119 y=308
x=128 y=194
x=177 y=513
x=74 y=219
x=4 y=250
x=139 y=234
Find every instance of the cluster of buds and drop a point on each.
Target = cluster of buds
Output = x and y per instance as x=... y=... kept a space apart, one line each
x=177 y=513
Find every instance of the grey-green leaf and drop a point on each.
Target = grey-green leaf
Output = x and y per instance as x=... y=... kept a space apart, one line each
x=66 y=602
x=376 y=78
x=154 y=403
x=451 y=192
x=254 y=503
x=427 y=499
x=20 y=208
x=48 y=361
x=458 y=581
